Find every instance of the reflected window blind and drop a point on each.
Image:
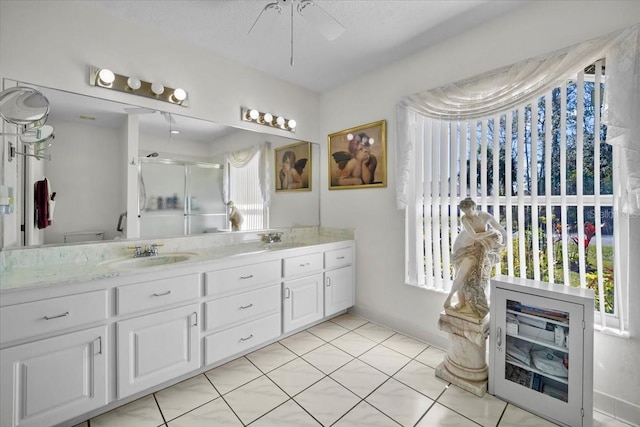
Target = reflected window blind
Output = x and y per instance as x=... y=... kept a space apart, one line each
x=244 y=191
x=543 y=170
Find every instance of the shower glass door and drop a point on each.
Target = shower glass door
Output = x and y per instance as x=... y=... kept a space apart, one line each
x=179 y=198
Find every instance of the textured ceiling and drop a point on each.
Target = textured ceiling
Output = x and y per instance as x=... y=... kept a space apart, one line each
x=378 y=32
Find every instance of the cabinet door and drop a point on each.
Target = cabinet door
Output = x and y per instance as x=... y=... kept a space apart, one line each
x=302 y=302
x=535 y=364
x=157 y=347
x=338 y=290
x=52 y=380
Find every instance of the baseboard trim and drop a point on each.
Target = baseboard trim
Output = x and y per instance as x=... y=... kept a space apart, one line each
x=619 y=409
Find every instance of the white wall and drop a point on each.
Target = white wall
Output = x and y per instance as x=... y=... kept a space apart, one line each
x=88 y=177
x=381 y=294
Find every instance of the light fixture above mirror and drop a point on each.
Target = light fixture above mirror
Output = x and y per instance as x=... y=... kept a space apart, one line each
x=267 y=119
x=105 y=78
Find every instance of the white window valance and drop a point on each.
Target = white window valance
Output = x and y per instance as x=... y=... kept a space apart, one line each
x=241 y=158
x=507 y=87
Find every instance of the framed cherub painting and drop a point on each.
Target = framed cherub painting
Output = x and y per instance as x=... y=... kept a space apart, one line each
x=293 y=167
x=358 y=158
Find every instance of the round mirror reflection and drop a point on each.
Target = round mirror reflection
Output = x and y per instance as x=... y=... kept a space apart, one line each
x=24 y=106
x=38 y=135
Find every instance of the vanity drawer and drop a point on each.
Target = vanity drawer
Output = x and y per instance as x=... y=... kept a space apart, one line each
x=157 y=293
x=55 y=314
x=302 y=265
x=239 y=278
x=338 y=258
x=228 y=311
x=236 y=340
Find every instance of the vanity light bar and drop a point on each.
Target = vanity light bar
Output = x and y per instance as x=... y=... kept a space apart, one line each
x=267 y=119
x=107 y=79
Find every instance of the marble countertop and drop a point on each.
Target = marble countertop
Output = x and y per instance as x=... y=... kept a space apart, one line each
x=73 y=270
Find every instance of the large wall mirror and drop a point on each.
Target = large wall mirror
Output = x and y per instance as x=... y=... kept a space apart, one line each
x=94 y=172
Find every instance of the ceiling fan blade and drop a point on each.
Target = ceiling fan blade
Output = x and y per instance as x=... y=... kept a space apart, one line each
x=275 y=6
x=139 y=110
x=318 y=18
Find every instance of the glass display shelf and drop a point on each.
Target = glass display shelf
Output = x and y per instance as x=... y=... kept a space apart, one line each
x=541 y=348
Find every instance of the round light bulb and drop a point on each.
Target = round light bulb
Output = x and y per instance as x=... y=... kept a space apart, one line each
x=179 y=95
x=134 y=83
x=268 y=118
x=280 y=121
x=106 y=76
x=292 y=124
x=157 y=88
x=254 y=114
x=350 y=137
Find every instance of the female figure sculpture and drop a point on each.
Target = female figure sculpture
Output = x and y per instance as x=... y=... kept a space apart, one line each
x=235 y=217
x=475 y=251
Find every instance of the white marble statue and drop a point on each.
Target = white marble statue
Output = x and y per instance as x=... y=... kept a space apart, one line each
x=475 y=251
x=235 y=217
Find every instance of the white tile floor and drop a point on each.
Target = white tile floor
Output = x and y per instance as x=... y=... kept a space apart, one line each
x=343 y=372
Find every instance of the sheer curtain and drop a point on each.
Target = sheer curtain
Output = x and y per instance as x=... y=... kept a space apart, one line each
x=507 y=87
x=241 y=158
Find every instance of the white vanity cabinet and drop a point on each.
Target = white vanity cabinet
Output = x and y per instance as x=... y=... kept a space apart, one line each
x=339 y=284
x=303 y=297
x=243 y=309
x=70 y=352
x=43 y=379
x=49 y=381
x=156 y=348
x=160 y=346
x=541 y=348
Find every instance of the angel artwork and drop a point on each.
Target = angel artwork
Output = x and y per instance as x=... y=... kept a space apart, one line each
x=358 y=165
x=293 y=173
x=358 y=157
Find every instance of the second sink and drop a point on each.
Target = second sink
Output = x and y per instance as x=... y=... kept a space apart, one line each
x=151 y=261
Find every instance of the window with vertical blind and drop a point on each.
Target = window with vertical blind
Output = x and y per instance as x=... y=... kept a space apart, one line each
x=246 y=184
x=543 y=169
x=529 y=143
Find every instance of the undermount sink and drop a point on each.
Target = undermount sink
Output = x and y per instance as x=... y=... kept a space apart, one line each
x=283 y=245
x=150 y=261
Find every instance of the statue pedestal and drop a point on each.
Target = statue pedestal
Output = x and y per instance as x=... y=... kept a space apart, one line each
x=465 y=363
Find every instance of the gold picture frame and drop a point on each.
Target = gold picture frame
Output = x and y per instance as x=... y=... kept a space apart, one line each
x=358 y=157
x=293 y=167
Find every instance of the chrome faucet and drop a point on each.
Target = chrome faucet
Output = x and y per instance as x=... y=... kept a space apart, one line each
x=271 y=237
x=148 y=250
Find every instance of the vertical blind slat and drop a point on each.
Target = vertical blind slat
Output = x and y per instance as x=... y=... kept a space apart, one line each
x=496 y=175
x=535 y=241
x=579 y=179
x=483 y=165
x=548 y=146
x=435 y=210
x=453 y=177
x=473 y=160
x=596 y=189
x=563 y=182
x=508 y=188
x=445 y=140
x=521 y=166
x=418 y=204
x=463 y=160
